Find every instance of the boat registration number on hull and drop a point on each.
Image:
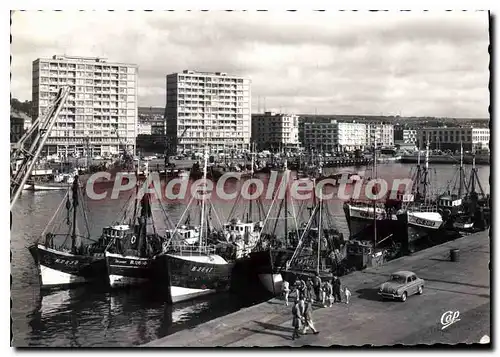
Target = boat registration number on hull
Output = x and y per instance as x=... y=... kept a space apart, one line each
x=132 y=262
x=66 y=262
x=202 y=269
x=422 y=222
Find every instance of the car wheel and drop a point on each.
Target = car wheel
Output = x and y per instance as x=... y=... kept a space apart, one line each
x=420 y=290
x=403 y=297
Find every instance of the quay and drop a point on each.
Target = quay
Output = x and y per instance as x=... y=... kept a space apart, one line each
x=461 y=286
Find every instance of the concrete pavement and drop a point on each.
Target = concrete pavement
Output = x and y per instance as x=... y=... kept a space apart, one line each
x=462 y=286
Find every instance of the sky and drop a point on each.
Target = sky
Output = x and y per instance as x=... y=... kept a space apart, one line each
x=352 y=63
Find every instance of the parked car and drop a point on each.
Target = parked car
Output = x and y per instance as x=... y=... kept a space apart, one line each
x=401 y=285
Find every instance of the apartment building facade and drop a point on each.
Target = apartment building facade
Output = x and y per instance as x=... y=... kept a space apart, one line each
x=207 y=109
x=100 y=114
x=335 y=136
x=451 y=138
x=382 y=134
x=275 y=131
x=405 y=136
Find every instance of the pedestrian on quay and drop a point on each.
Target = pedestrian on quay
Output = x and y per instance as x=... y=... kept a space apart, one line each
x=297 y=317
x=301 y=289
x=317 y=286
x=310 y=290
x=286 y=291
x=336 y=290
x=308 y=319
x=347 y=294
x=327 y=294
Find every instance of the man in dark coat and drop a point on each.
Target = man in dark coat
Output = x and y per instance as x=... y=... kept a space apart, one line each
x=308 y=319
x=336 y=290
x=317 y=286
x=297 y=317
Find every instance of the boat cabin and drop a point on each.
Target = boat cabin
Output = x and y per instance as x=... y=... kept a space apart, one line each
x=118 y=231
x=240 y=228
x=449 y=201
x=187 y=234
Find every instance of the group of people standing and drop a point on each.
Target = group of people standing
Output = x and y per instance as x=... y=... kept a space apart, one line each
x=306 y=293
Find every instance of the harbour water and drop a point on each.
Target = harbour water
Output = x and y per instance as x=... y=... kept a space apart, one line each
x=96 y=317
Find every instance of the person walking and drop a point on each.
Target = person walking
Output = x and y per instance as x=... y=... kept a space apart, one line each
x=308 y=319
x=317 y=286
x=310 y=290
x=328 y=294
x=286 y=291
x=347 y=293
x=297 y=317
x=302 y=290
x=336 y=290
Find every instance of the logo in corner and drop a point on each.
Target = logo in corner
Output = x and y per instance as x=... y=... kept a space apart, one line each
x=449 y=318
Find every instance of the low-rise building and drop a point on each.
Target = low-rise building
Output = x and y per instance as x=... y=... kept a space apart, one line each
x=144 y=129
x=17 y=126
x=451 y=138
x=335 y=136
x=273 y=131
x=382 y=133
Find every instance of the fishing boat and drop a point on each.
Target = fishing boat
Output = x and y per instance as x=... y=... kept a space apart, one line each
x=240 y=237
x=474 y=212
x=319 y=247
x=360 y=214
x=192 y=270
x=69 y=258
x=420 y=214
x=134 y=243
x=276 y=243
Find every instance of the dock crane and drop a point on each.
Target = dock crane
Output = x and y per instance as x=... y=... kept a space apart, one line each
x=29 y=147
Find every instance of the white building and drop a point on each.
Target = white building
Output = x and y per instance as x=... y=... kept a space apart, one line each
x=275 y=131
x=100 y=113
x=335 y=136
x=383 y=134
x=208 y=109
x=144 y=129
x=451 y=138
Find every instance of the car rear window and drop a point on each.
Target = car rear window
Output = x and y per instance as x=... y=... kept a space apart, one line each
x=398 y=279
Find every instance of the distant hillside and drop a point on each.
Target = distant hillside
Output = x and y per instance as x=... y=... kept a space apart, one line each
x=151 y=110
x=23 y=107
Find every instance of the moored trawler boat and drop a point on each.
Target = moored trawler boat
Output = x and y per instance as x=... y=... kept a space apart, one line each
x=194 y=272
x=67 y=259
x=419 y=214
x=464 y=224
x=190 y=270
x=364 y=218
x=130 y=252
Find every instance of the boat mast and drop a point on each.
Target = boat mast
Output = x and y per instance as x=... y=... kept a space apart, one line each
x=136 y=192
x=286 y=199
x=205 y=163
x=249 y=214
x=374 y=201
x=461 y=174
x=426 y=170
x=472 y=187
x=417 y=177
x=74 y=245
x=319 y=233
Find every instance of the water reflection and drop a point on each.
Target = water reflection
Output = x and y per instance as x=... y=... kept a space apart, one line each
x=97 y=318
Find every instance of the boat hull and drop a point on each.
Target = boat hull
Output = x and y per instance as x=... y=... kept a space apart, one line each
x=268 y=267
x=62 y=269
x=46 y=187
x=361 y=224
x=126 y=271
x=420 y=233
x=191 y=276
